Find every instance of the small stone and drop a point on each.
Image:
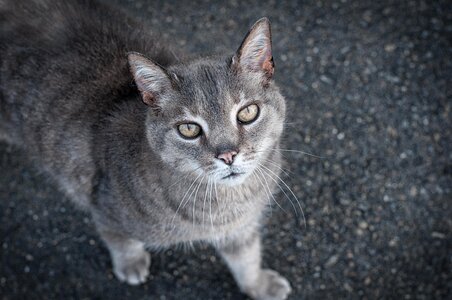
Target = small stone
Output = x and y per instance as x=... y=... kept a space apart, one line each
x=390 y=47
x=344 y=202
x=436 y=137
x=392 y=131
x=413 y=191
x=348 y=287
x=363 y=225
x=393 y=242
x=367 y=16
x=326 y=79
x=332 y=261
x=438 y=235
x=345 y=50
x=290 y=258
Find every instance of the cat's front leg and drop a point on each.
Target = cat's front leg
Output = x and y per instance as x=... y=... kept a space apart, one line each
x=244 y=260
x=130 y=259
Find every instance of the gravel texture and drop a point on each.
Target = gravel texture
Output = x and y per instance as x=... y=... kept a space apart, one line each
x=369 y=87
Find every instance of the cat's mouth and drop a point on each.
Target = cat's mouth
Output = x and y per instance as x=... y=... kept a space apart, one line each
x=232 y=175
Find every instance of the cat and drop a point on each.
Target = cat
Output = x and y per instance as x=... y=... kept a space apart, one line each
x=158 y=151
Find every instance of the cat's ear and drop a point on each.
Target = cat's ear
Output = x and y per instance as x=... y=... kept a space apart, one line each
x=151 y=79
x=255 y=52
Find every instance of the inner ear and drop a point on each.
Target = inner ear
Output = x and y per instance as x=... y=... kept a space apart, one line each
x=149 y=98
x=255 y=52
x=151 y=79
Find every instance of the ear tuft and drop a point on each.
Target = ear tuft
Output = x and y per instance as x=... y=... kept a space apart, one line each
x=255 y=52
x=150 y=78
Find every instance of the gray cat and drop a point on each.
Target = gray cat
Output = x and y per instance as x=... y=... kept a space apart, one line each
x=158 y=151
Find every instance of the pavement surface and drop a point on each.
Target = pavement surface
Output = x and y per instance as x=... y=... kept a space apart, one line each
x=369 y=88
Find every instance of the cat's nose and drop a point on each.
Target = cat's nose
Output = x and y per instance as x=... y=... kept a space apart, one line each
x=227 y=157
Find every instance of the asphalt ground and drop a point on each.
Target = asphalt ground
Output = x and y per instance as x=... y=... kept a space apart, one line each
x=368 y=86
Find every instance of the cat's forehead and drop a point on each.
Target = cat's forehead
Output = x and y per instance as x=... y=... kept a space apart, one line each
x=208 y=84
x=210 y=91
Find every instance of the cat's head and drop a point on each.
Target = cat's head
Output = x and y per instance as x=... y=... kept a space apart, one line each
x=214 y=117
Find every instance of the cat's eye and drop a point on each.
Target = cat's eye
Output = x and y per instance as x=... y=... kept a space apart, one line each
x=189 y=130
x=248 y=114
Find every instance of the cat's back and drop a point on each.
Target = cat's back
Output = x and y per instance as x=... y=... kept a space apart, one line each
x=63 y=68
x=66 y=59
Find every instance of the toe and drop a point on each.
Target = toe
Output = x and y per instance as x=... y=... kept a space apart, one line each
x=133 y=278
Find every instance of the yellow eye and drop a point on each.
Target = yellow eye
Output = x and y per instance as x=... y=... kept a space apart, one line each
x=248 y=114
x=189 y=130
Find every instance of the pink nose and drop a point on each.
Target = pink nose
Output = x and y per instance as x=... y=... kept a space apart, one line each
x=227 y=157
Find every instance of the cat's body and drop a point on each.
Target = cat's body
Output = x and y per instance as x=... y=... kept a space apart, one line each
x=64 y=67
x=68 y=99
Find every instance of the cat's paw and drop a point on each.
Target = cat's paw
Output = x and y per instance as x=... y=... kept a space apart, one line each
x=133 y=269
x=270 y=286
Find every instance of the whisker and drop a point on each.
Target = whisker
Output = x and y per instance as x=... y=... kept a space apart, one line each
x=271 y=194
x=299 y=151
x=290 y=190
x=292 y=123
x=258 y=179
x=183 y=198
x=295 y=151
x=210 y=208
x=218 y=202
x=279 y=167
x=194 y=200
x=190 y=173
x=194 y=190
x=205 y=197
x=277 y=183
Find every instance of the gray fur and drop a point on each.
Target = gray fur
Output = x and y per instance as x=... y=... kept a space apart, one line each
x=68 y=99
